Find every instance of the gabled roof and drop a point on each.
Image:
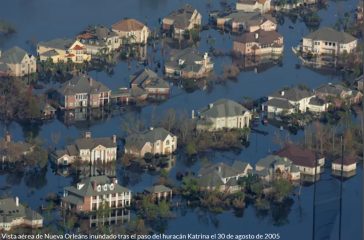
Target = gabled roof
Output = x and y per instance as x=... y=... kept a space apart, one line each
x=332 y=89
x=223 y=108
x=348 y=160
x=158 y=189
x=128 y=25
x=138 y=140
x=271 y=160
x=280 y=103
x=260 y=37
x=13 y=55
x=147 y=78
x=298 y=155
x=86 y=187
x=293 y=94
x=190 y=57
x=90 y=143
x=82 y=84
x=330 y=34
x=58 y=43
x=181 y=17
x=9 y=211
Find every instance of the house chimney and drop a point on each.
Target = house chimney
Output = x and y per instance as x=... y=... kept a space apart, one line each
x=88 y=134
x=114 y=138
x=17 y=201
x=219 y=169
x=7 y=137
x=211 y=105
x=193 y=114
x=151 y=128
x=90 y=81
x=256 y=35
x=94 y=185
x=115 y=180
x=282 y=93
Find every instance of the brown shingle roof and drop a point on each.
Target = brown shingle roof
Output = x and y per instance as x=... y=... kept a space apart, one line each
x=260 y=36
x=298 y=155
x=127 y=25
x=347 y=160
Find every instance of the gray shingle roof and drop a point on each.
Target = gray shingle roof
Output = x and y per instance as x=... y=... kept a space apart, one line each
x=182 y=16
x=147 y=78
x=9 y=211
x=158 y=189
x=316 y=101
x=330 y=34
x=58 y=43
x=90 y=143
x=249 y=18
x=280 y=103
x=260 y=36
x=88 y=190
x=332 y=89
x=189 y=55
x=223 y=108
x=293 y=94
x=82 y=84
x=271 y=160
x=13 y=55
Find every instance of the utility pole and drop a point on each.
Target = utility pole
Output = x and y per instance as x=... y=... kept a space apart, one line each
x=341 y=185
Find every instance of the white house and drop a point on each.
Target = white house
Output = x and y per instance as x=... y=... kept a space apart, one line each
x=261 y=6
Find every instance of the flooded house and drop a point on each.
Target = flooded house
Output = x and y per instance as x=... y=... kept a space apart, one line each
x=223 y=114
x=94 y=193
x=159 y=192
x=307 y=161
x=338 y=94
x=346 y=166
x=223 y=177
x=181 y=21
x=13 y=214
x=83 y=91
x=155 y=141
x=11 y=151
x=328 y=41
x=188 y=63
x=63 y=50
x=259 y=43
x=289 y=101
x=155 y=86
x=274 y=167
x=240 y=21
x=359 y=13
x=318 y=105
x=360 y=83
x=261 y=6
x=87 y=149
x=131 y=31
x=16 y=62
x=47 y=110
x=99 y=40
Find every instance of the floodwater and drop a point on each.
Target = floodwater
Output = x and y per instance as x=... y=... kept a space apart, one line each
x=37 y=20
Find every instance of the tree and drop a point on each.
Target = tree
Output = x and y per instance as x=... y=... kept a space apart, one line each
x=282 y=188
x=191 y=148
x=190 y=187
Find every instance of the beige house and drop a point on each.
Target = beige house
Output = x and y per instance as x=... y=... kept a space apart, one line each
x=327 y=41
x=247 y=21
x=13 y=214
x=63 y=50
x=261 y=6
x=182 y=20
x=259 y=43
x=348 y=164
x=131 y=31
x=223 y=114
x=88 y=149
x=17 y=63
x=156 y=141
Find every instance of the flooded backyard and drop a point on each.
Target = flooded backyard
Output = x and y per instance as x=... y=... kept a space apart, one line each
x=47 y=19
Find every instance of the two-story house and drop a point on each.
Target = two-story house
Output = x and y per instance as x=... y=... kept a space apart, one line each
x=223 y=177
x=131 y=31
x=261 y=6
x=188 y=63
x=223 y=114
x=272 y=167
x=83 y=91
x=328 y=41
x=182 y=20
x=99 y=40
x=94 y=193
x=17 y=62
x=259 y=43
x=87 y=149
x=156 y=141
x=338 y=93
x=289 y=101
x=63 y=50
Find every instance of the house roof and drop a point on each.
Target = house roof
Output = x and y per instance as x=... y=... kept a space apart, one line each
x=82 y=84
x=317 y=101
x=348 y=160
x=293 y=94
x=181 y=17
x=85 y=187
x=330 y=34
x=298 y=155
x=147 y=78
x=223 y=108
x=13 y=55
x=158 y=189
x=249 y=18
x=332 y=89
x=138 y=140
x=58 y=43
x=280 y=103
x=9 y=211
x=271 y=160
x=90 y=143
x=190 y=57
x=260 y=36
x=127 y=25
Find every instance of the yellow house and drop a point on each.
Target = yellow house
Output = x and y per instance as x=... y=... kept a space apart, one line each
x=63 y=50
x=131 y=30
x=17 y=63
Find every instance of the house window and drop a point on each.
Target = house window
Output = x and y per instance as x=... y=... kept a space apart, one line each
x=167 y=142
